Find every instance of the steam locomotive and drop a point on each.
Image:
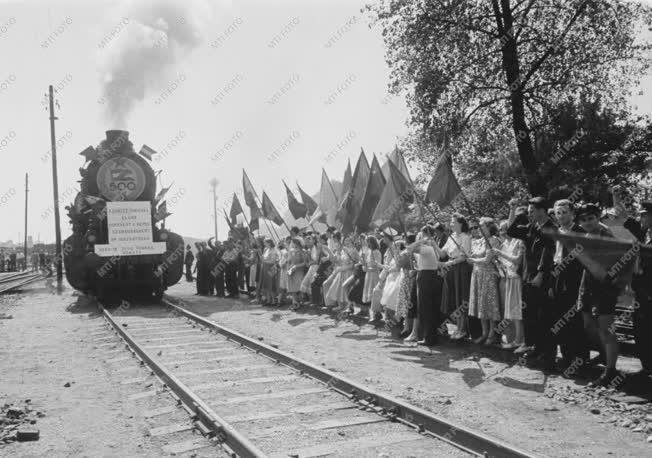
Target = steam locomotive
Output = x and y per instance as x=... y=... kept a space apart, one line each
x=116 y=247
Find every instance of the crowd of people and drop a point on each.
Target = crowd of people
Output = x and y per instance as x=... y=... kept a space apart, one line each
x=15 y=261
x=495 y=283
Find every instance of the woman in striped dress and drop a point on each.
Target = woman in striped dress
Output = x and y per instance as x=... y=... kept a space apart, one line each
x=406 y=308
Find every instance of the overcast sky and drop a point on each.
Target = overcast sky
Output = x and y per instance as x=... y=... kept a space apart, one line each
x=322 y=52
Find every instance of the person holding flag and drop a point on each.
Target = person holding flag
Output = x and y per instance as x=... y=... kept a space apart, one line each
x=597 y=300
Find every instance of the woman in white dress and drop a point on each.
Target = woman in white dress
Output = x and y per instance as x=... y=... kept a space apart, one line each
x=389 y=299
x=313 y=264
x=511 y=258
x=334 y=291
x=283 y=271
x=372 y=266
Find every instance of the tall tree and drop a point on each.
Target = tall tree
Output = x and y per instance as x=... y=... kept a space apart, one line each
x=490 y=64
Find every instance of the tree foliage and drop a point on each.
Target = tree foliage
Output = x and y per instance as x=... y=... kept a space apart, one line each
x=490 y=77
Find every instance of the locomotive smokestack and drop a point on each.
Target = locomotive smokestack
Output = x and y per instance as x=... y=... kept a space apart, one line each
x=117 y=135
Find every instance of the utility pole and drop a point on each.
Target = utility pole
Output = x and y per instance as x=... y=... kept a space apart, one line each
x=214 y=183
x=25 y=243
x=55 y=185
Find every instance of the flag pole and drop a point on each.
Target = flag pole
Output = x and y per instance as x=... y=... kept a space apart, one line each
x=260 y=206
x=269 y=228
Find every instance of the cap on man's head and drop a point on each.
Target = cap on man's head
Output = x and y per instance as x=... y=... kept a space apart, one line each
x=588 y=209
x=539 y=202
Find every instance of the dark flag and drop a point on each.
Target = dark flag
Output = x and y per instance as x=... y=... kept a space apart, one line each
x=236 y=208
x=443 y=187
x=308 y=201
x=250 y=196
x=604 y=256
x=352 y=200
x=297 y=209
x=228 y=221
x=347 y=181
x=162 y=194
x=394 y=199
x=241 y=233
x=162 y=212
x=327 y=211
x=372 y=194
x=270 y=212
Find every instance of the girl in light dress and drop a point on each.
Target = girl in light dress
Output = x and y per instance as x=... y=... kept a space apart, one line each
x=283 y=270
x=324 y=267
x=295 y=263
x=313 y=254
x=372 y=266
x=355 y=284
x=511 y=257
x=393 y=281
x=483 y=296
x=269 y=273
x=336 y=293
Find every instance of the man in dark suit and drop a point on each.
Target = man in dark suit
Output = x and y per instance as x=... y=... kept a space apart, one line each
x=643 y=289
x=539 y=251
x=189 y=259
x=566 y=321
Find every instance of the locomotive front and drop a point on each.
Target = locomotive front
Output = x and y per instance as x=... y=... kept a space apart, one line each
x=116 y=248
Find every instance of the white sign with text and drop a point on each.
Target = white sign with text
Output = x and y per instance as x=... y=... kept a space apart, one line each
x=130 y=230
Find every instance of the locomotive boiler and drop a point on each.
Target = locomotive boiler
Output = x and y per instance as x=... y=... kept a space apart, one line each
x=119 y=246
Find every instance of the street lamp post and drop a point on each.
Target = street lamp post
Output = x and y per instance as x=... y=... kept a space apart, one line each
x=213 y=184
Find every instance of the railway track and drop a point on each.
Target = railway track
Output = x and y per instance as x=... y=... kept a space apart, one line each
x=13 y=282
x=255 y=400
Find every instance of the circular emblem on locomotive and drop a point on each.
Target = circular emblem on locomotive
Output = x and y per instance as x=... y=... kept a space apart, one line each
x=121 y=178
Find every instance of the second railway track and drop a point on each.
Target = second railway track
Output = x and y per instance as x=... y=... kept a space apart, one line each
x=12 y=282
x=260 y=401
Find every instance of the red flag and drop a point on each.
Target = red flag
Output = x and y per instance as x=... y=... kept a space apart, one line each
x=250 y=196
x=604 y=255
x=351 y=201
x=443 y=187
x=236 y=208
x=270 y=212
x=327 y=201
x=398 y=192
x=372 y=194
x=297 y=209
x=308 y=201
x=347 y=181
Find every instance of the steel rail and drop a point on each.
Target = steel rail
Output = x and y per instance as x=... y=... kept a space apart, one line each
x=426 y=422
x=10 y=287
x=211 y=420
x=15 y=276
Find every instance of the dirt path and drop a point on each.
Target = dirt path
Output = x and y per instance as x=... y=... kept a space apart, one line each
x=469 y=385
x=53 y=340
